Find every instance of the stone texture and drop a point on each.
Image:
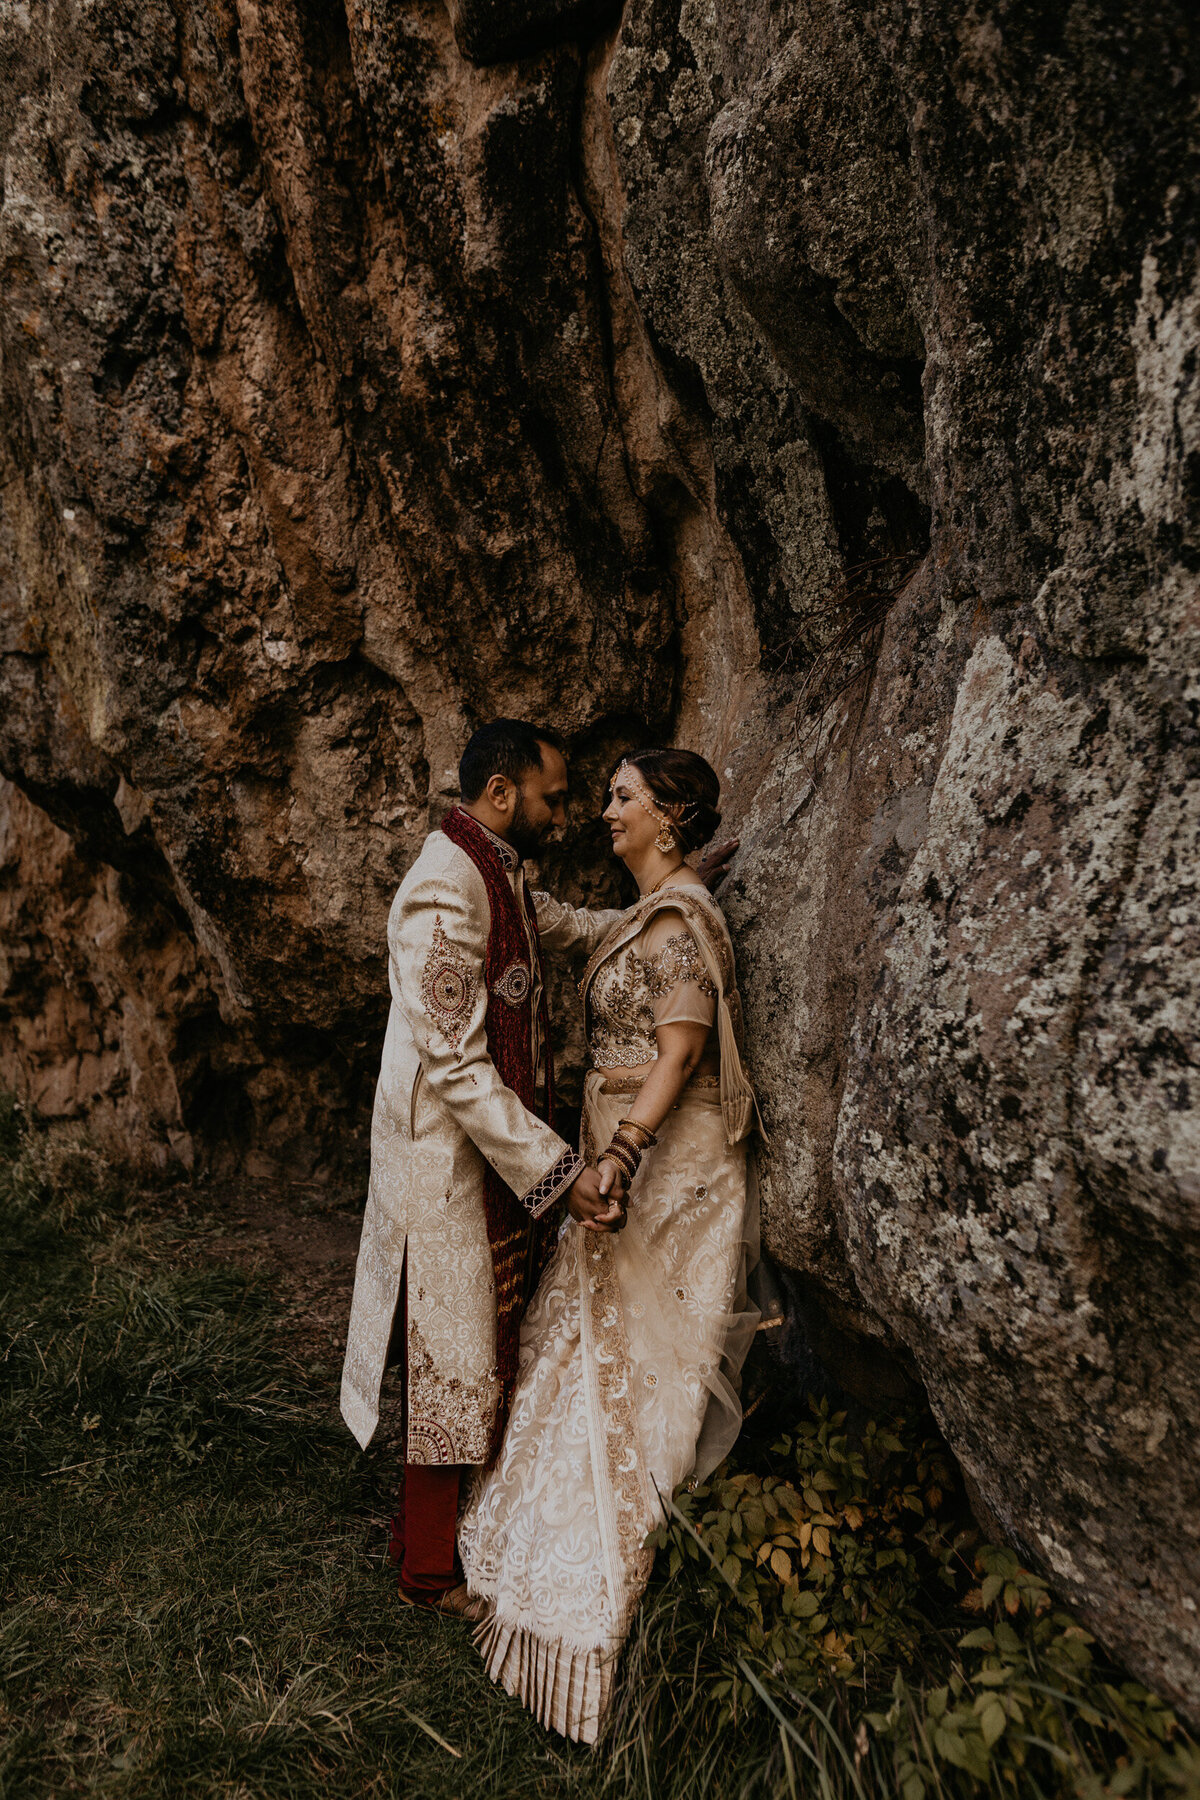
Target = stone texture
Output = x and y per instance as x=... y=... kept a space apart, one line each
x=812 y=382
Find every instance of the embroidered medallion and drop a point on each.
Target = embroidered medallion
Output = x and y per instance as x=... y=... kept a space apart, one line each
x=449 y=1420
x=513 y=986
x=448 y=987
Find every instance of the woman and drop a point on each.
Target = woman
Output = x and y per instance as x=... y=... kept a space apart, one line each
x=632 y=1342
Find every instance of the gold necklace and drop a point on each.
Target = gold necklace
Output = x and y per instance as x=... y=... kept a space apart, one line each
x=662 y=878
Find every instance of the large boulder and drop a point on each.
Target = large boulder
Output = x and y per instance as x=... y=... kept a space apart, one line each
x=811 y=381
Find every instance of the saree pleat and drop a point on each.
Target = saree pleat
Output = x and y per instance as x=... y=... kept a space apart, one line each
x=566 y=1690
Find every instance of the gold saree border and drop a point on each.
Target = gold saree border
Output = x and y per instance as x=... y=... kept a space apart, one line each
x=623 y=1502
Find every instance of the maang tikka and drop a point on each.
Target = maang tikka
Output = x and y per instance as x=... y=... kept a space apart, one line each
x=665 y=841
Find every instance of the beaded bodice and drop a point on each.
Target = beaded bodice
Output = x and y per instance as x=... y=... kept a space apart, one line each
x=656 y=978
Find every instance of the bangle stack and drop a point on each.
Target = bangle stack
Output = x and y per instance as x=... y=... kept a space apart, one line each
x=629 y=1143
x=643 y=1136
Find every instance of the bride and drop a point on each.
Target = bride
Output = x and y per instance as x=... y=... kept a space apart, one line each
x=632 y=1343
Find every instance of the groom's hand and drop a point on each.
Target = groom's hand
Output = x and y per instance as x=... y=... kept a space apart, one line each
x=714 y=864
x=591 y=1208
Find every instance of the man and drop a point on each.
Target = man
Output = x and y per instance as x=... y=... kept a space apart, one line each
x=465 y=1161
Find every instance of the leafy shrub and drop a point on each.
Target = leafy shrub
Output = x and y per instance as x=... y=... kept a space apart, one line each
x=835 y=1558
x=837 y=1588
x=1025 y=1694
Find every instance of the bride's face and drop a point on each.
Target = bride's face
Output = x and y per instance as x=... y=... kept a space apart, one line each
x=633 y=830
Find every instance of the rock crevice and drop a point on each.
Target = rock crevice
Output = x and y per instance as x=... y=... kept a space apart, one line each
x=812 y=383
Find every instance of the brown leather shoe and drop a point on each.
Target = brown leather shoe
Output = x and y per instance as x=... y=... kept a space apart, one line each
x=460 y=1604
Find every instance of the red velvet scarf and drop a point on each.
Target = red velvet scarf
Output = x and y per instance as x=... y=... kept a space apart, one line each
x=512 y=1234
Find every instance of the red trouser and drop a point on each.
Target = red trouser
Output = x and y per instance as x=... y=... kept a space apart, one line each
x=423 y=1530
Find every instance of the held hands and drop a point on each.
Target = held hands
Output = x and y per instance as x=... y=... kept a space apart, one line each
x=612 y=1179
x=597 y=1199
x=614 y=1189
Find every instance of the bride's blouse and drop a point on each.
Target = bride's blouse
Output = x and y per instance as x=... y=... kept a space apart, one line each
x=657 y=978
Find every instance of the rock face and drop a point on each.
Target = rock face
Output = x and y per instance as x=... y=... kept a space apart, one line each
x=812 y=382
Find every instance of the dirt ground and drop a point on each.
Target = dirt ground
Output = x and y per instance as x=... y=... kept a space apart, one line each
x=294 y=1238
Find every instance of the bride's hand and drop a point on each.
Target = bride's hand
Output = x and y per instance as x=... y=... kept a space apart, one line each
x=714 y=864
x=612 y=1186
x=593 y=1206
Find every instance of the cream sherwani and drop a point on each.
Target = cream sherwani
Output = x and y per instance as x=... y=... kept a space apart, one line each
x=440 y=1110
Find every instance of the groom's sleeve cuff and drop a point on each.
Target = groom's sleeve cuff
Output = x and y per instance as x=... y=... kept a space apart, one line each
x=553 y=1184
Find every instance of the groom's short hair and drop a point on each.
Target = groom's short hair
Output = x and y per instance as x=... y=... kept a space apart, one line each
x=509 y=747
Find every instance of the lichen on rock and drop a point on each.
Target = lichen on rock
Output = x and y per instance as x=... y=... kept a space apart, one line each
x=369 y=371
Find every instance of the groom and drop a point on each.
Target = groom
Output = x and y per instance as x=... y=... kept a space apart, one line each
x=465 y=1161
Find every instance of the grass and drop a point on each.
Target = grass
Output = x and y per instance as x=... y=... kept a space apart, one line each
x=197 y=1603
x=195 y=1595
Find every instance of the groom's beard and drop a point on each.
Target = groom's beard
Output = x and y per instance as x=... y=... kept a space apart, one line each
x=523 y=835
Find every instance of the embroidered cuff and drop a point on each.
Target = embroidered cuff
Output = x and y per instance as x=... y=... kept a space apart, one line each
x=553 y=1184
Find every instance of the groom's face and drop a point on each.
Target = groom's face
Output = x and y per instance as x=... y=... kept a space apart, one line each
x=541 y=805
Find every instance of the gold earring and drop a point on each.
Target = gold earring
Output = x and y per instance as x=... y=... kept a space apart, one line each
x=665 y=841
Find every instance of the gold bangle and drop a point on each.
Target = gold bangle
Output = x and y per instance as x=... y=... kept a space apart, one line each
x=626 y=1149
x=636 y=1125
x=623 y=1157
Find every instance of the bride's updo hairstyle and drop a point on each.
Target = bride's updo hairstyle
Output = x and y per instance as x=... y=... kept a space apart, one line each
x=687 y=789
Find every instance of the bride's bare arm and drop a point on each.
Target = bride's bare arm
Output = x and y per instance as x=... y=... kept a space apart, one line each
x=680 y=1047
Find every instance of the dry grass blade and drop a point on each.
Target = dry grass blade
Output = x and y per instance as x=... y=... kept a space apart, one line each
x=423 y=1725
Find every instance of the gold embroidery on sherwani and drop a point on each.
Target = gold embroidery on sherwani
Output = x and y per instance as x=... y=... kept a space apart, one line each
x=448 y=985
x=514 y=985
x=449 y=1421
x=440 y=1111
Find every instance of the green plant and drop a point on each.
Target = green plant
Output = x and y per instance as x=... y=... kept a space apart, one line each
x=836 y=1558
x=1026 y=1694
x=837 y=1588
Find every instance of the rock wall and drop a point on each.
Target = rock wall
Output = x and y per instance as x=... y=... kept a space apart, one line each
x=812 y=382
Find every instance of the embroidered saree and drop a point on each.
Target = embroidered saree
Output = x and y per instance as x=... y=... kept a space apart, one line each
x=632 y=1345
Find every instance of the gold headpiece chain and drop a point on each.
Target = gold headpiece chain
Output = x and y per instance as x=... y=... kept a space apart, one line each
x=645 y=799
